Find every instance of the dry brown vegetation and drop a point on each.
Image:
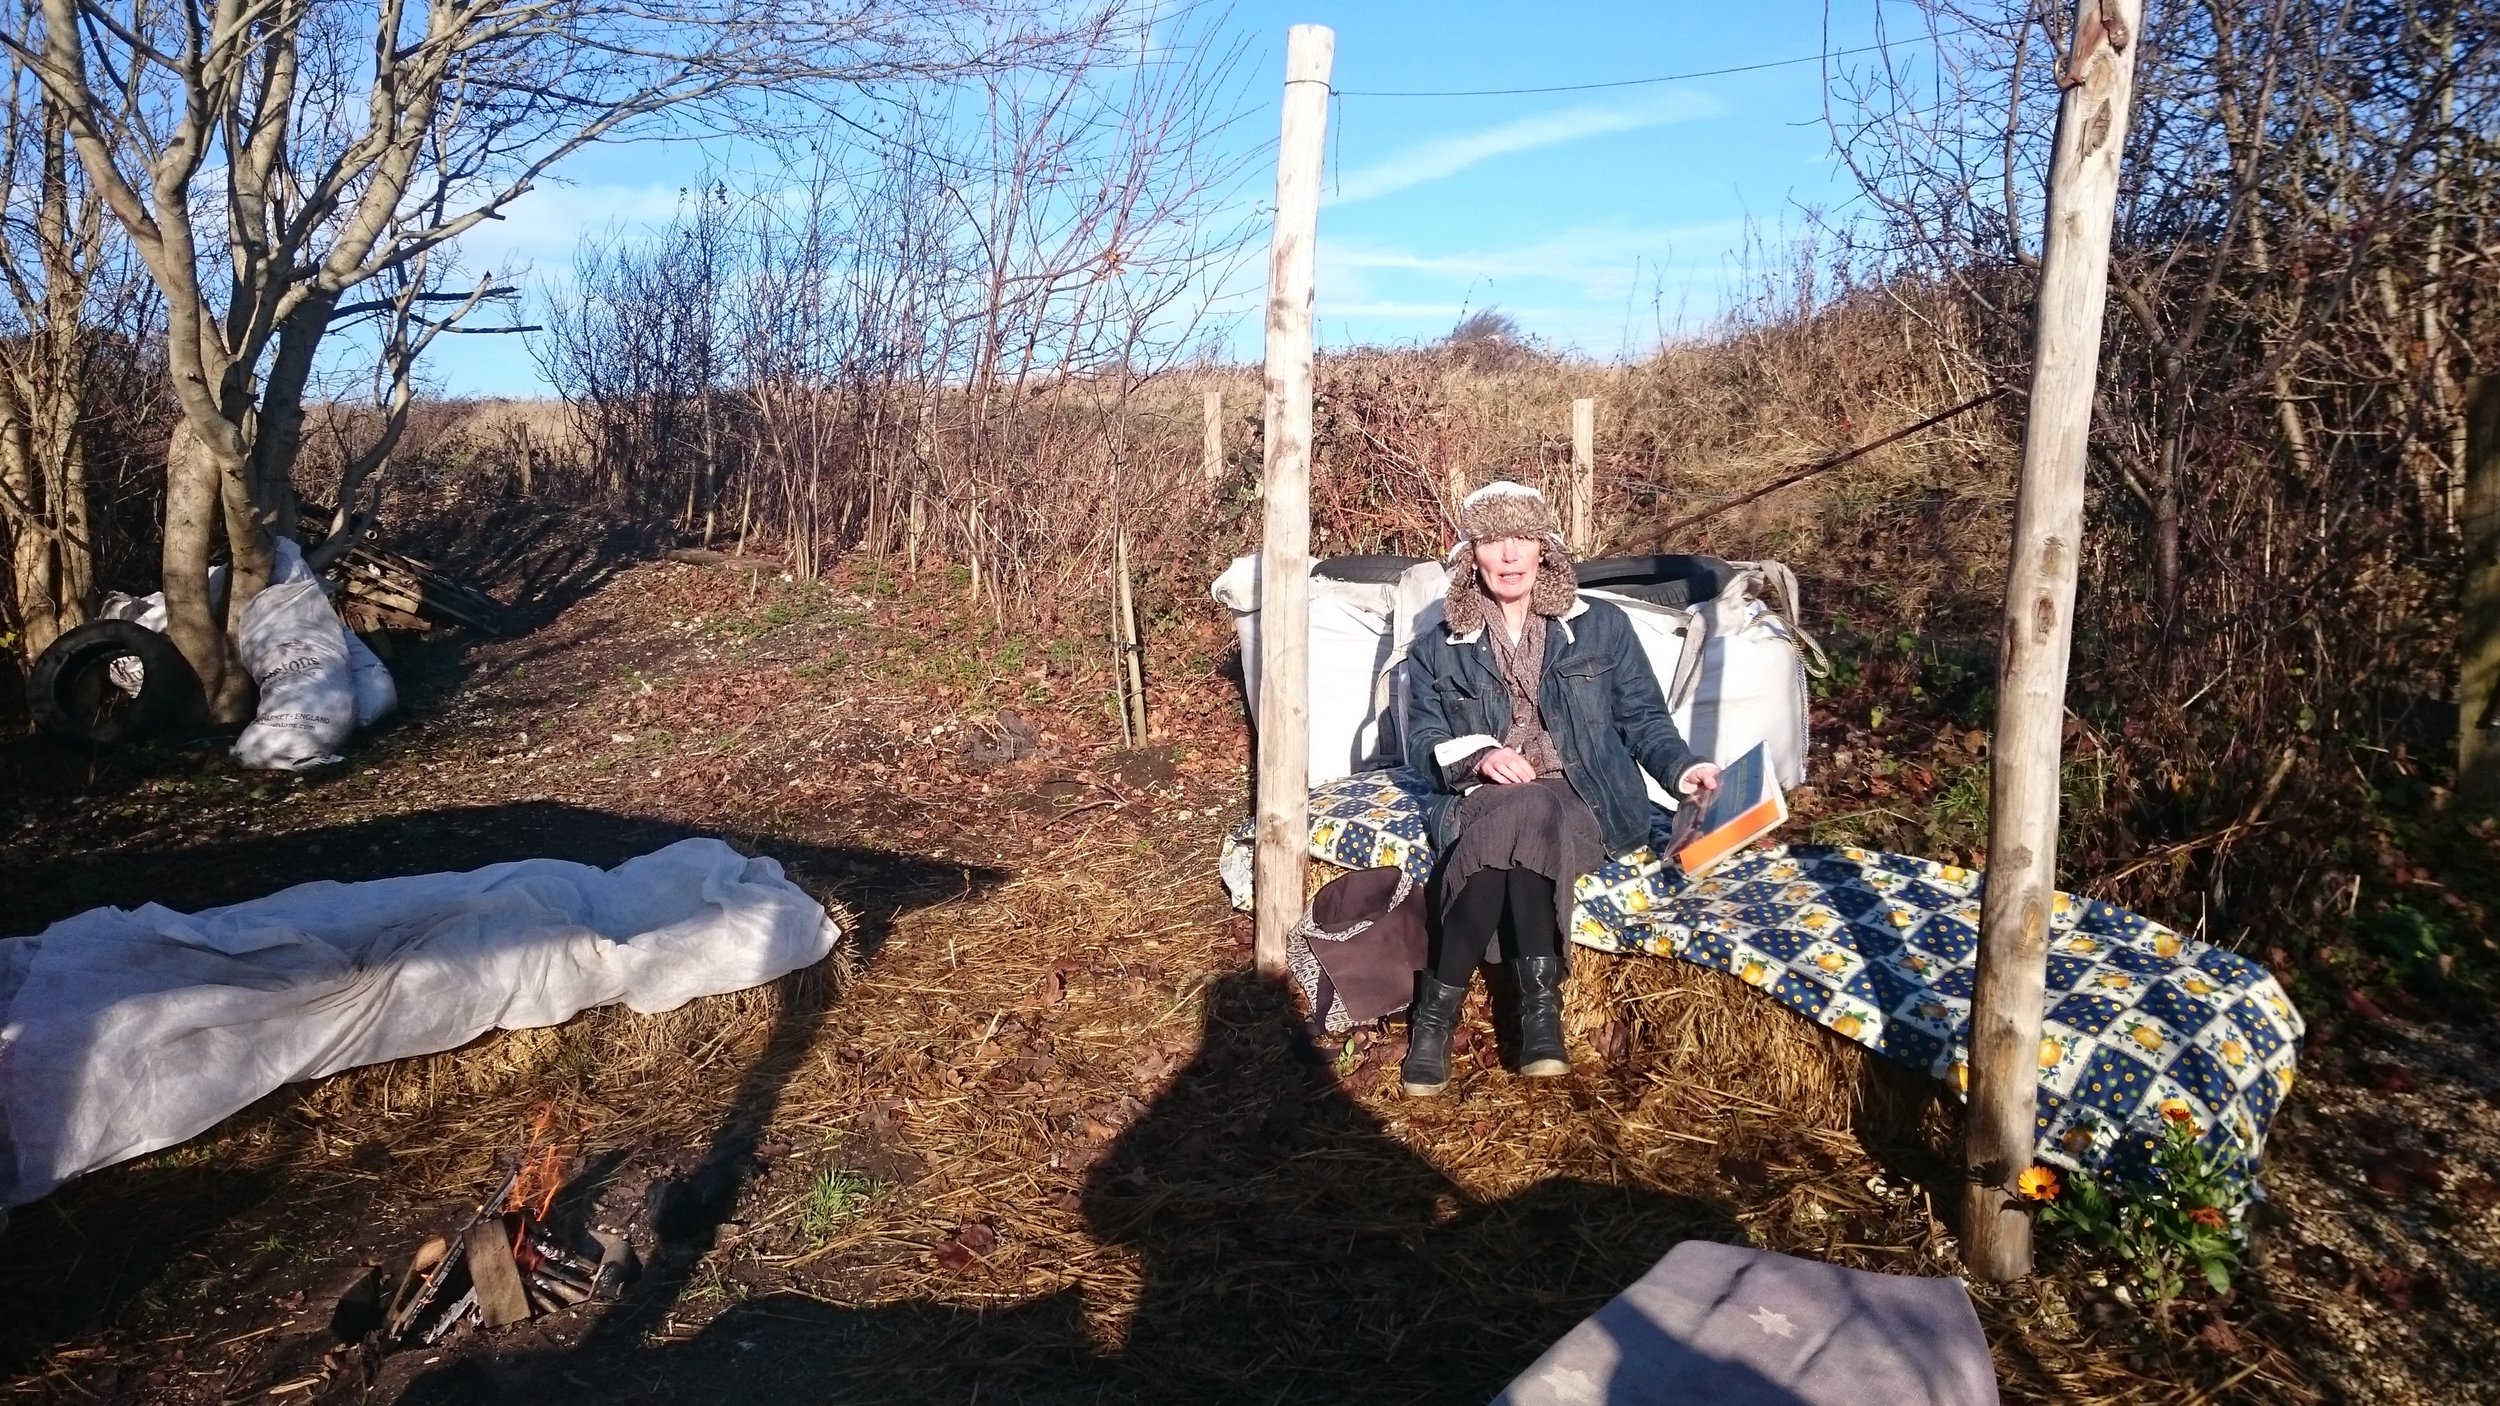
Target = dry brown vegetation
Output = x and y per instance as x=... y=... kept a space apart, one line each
x=1035 y=1132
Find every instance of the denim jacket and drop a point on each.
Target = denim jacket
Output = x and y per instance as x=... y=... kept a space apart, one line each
x=1600 y=701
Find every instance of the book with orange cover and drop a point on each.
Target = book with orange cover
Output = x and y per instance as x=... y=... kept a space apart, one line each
x=1747 y=806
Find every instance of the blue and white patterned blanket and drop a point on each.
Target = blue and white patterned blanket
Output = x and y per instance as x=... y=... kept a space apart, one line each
x=1881 y=948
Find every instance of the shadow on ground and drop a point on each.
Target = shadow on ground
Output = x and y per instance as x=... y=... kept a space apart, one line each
x=73 y=1261
x=1289 y=1249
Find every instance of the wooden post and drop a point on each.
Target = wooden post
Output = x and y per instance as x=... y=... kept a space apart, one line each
x=2038 y=627
x=972 y=548
x=2478 y=648
x=1132 y=673
x=1211 y=450
x=916 y=523
x=1284 y=843
x=1583 y=475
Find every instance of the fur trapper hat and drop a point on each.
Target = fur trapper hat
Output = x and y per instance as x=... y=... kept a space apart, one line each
x=1505 y=509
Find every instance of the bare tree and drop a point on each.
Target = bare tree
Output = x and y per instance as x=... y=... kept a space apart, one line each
x=2303 y=272
x=267 y=157
x=930 y=335
x=73 y=308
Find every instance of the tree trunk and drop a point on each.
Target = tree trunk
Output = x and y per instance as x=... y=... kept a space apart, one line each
x=192 y=513
x=2478 y=644
x=2166 y=531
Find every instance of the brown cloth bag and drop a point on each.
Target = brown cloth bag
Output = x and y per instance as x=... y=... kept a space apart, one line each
x=1358 y=949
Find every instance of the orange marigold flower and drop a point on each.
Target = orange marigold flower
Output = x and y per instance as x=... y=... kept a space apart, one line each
x=2176 y=1110
x=2208 y=1217
x=2036 y=1184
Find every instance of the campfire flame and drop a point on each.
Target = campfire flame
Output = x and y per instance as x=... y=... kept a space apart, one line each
x=542 y=1169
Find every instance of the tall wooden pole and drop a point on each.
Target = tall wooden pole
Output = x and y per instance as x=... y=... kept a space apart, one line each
x=1211 y=447
x=1583 y=474
x=1283 y=854
x=2038 y=630
x=2478 y=644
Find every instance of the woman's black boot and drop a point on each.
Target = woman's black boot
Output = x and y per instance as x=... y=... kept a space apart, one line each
x=1541 y=1053
x=1429 y=1024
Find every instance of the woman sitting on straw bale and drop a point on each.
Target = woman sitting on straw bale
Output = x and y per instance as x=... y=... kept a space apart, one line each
x=1533 y=712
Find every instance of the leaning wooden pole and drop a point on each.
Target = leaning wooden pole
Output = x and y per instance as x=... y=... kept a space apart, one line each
x=2038 y=630
x=1284 y=843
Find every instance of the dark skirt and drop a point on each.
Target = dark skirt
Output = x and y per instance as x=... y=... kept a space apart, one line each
x=1543 y=827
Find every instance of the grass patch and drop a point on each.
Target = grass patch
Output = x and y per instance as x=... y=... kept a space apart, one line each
x=835 y=1196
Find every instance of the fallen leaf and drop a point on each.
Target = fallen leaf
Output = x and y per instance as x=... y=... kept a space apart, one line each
x=2219 y=1337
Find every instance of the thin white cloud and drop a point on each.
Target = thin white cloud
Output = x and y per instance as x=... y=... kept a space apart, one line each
x=1600 y=261
x=543 y=228
x=1440 y=157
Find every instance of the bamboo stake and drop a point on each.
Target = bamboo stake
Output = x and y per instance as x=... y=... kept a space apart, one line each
x=1283 y=854
x=1211 y=450
x=2478 y=648
x=2038 y=633
x=1583 y=474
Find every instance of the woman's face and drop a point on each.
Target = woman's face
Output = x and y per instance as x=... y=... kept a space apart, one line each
x=1507 y=567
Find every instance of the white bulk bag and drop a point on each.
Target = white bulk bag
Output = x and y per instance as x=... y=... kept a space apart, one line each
x=1751 y=686
x=1348 y=642
x=1732 y=669
x=1667 y=635
x=297 y=652
x=377 y=694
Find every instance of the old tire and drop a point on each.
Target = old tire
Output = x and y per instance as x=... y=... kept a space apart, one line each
x=73 y=695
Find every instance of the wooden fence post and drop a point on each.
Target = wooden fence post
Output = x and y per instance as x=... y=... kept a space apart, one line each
x=1283 y=855
x=1583 y=475
x=1211 y=449
x=2004 y=1065
x=2478 y=647
x=1131 y=668
x=924 y=446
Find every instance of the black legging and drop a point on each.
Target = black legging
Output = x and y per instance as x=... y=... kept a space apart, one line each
x=1518 y=903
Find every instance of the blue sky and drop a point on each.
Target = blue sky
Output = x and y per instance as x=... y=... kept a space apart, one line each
x=1597 y=219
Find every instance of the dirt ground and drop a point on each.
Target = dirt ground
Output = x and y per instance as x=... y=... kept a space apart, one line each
x=1037 y=1135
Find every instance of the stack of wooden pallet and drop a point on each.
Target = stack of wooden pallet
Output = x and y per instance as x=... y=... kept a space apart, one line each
x=383 y=590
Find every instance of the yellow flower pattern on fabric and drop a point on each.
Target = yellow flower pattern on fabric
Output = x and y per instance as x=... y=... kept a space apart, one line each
x=1880 y=949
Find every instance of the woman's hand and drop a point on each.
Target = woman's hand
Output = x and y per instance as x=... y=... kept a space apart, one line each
x=1506 y=766
x=1700 y=780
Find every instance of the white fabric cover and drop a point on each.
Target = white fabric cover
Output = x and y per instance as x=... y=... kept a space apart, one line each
x=125 y=1031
